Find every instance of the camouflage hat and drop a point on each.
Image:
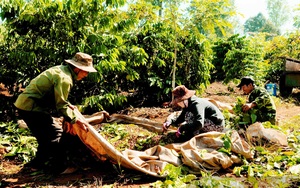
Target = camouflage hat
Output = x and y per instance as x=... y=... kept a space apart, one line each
x=82 y=61
x=245 y=81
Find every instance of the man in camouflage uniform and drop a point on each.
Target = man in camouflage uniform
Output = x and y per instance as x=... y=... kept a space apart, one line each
x=259 y=99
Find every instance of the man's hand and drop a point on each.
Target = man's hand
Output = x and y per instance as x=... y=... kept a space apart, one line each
x=178 y=133
x=246 y=107
x=73 y=107
x=166 y=125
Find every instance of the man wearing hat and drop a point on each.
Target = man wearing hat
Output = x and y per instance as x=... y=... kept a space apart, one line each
x=47 y=92
x=259 y=99
x=198 y=114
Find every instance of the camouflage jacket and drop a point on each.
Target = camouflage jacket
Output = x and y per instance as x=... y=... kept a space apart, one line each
x=264 y=103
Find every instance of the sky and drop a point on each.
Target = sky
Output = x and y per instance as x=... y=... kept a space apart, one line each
x=250 y=8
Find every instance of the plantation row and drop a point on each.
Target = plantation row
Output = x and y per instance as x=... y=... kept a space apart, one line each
x=140 y=50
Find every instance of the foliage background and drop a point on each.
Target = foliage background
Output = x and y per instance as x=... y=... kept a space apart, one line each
x=141 y=49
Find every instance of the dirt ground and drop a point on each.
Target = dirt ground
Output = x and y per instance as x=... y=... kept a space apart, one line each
x=106 y=173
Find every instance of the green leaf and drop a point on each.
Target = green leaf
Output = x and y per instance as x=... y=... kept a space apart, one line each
x=250 y=171
x=237 y=171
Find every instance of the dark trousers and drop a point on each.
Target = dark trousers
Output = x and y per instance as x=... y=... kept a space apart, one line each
x=47 y=133
x=207 y=127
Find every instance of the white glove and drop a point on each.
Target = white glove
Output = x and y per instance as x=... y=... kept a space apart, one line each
x=166 y=125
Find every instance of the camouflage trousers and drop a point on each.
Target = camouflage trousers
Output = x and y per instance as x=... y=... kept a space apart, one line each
x=262 y=117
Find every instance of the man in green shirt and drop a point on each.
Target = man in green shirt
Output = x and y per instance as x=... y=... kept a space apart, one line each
x=47 y=92
x=259 y=99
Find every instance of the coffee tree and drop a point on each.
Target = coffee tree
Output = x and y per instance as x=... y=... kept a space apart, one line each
x=133 y=50
x=238 y=56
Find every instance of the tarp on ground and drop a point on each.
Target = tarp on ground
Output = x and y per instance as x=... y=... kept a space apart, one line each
x=201 y=152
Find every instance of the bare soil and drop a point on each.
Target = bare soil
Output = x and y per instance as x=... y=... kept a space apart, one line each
x=107 y=173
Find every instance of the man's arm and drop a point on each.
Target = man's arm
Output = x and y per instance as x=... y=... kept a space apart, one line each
x=246 y=107
x=261 y=98
x=62 y=88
